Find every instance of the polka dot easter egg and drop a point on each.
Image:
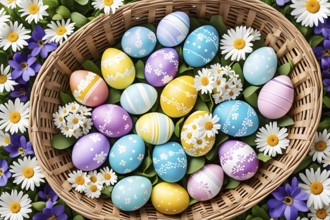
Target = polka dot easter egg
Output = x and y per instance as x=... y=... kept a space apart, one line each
x=131 y=193
x=170 y=161
x=117 y=68
x=173 y=29
x=138 y=42
x=201 y=46
x=127 y=154
x=88 y=88
x=90 y=151
x=161 y=67
x=112 y=120
x=260 y=66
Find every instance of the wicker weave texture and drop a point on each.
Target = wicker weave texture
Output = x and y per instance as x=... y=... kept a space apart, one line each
x=105 y=31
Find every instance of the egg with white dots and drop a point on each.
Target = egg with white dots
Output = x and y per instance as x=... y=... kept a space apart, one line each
x=201 y=46
x=127 y=154
x=260 y=66
x=131 y=193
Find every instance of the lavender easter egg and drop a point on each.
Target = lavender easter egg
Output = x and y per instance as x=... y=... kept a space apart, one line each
x=206 y=183
x=173 y=29
x=90 y=151
x=276 y=97
x=238 y=160
x=161 y=67
x=112 y=120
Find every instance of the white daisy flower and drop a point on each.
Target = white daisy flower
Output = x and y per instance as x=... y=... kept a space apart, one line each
x=95 y=177
x=108 y=176
x=59 y=31
x=74 y=121
x=93 y=190
x=208 y=125
x=218 y=97
x=14 y=116
x=67 y=131
x=15 y=206
x=27 y=172
x=9 y=3
x=310 y=12
x=63 y=110
x=87 y=125
x=33 y=9
x=76 y=133
x=237 y=43
x=235 y=89
x=3 y=17
x=319 y=214
x=205 y=81
x=320 y=150
x=107 y=5
x=256 y=34
x=73 y=107
x=59 y=120
x=79 y=180
x=218 y=70
x=4 y=139
x=13 y=35
x=317 y=185
x=271 y=140
x=188 y=136
x=6 y=82
x=200 y=143
x=84 y=110
x=326 y=162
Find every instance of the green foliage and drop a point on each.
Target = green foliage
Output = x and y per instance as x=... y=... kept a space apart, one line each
x=60 y=142
x=66 y=98
x=91 y=66
x=79 y=19
x=195 y=163
x=285 y=69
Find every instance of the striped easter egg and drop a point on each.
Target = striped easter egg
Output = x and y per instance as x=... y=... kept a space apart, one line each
x=155 y=128
x=173 y=29
x=276 y=97
x=138 y=98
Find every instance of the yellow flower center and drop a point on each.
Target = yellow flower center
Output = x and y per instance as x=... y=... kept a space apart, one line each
x=24 y=65
x=53 y=217
x=10 y=1
x=321 y=213
x=60 y=30
x=189 y=135
x=33 y=9
x=28 y=172
x=1 y=172
x=320 y=146
x=288 y=200
x=12 y=37
x=313 y=6
x=80 y=180
x=218 y=71
x=65 y=111
x=6 y=140
x=204 y=81
x=316 y=188
x=75 y=120
x=15 y=117
x=3 y=79
x=60 y=119
x=239 y=44
x=107 y=2
x=14 y=207
x=272 y=140
x=231 y=93
x=218 y=82
x=199 y=141
x=194 y=127
x=107 y=176
x=93 y=188
x=208 y=125
x=93 y=179
x=21 y=150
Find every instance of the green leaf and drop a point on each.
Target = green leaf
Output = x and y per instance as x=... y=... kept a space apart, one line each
x=250 y=140
x=63 y=11
x=201 y=106
x=285 y=121
x=249 y=91
x=249 y=217
x=155 y=180
x=106 y=191
x=66 y=98
x=306 y=31
x=146 y=163
x=57 y=17
x=257 y=218
x=79 y=19
x=183 y=68
x=178 y=126
x=285 y=69
x=149 y=173
x=192 y=201
x=315 y=40
x=194 y=24
x=259 y=43
x=91 y=66
x=60 y=142
x=81 y=2
x=78 y=217
x=39 y=206
x=217 y=22
x=225 y=62
x=150 y=27
x=3 y=57
x=51 y=3
x=215 y=149
x=114 y=96
x=324 y=124
x=195 y=163
x=69 y=4
x=232 y=184
x=238 y=70
x=252 y=100
x=303 y=165
x=139 y=68
x=326 y=101
x=263 y=157
x=257 y=211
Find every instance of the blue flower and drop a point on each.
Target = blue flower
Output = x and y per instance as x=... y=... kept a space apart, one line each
x=39 y=46
x=323 y=28
x=48 y=195
x=4 y=172
x=287 y=201
x=282 y=2
x=19 y=146
x=323 y=53
x=51 y=212
x=21 y=91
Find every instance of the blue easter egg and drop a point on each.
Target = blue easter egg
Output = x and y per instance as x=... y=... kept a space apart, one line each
x=170 y=161
x=201 y=46
x=138 y=42
x=127 y=154
x=237 y=118
x=131 y=193
x=260 y=66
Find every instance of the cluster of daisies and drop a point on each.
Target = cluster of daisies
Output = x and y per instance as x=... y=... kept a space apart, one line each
x=73 y=119
x=93 y=182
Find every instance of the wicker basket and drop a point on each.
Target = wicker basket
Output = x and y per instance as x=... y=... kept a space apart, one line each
x=89 y=43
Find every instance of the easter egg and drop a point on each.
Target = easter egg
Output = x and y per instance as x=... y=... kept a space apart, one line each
x=127 y=154
x=170 y=161
x=206 y=183
x=131 y=193
x=138 y=42
x=117 y=68
x=138 y=98
x=161 y=67
x=276 y=97
x=169 y=198
x=112 y=120
x=90 y=151
x=155 y=128
x=238 y=160
x=178 y=97
x=260 y=66
x=88 y=88
x=173 y=29
x=201 y=46
x=193 y=143
x=237 y=118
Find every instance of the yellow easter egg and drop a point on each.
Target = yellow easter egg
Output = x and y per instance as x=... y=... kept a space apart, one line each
x=169 y=198
x=178 y=97
x=117 y=68
x=192 y=142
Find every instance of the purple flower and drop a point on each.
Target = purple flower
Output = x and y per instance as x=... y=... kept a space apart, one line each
x=39 y=46
x=4 y=172
x=51 y=212
x=322 y=53
x=323 y=28
x=21 y=91
x=24 y=66
x=48 y=195
x=326 y=83
x=282 y=2
x=19 y=146
x=287 y=201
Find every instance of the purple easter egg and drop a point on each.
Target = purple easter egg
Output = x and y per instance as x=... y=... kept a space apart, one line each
x=90 y=151
x=161 y=67
x=238 y=160
x=112 y=120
